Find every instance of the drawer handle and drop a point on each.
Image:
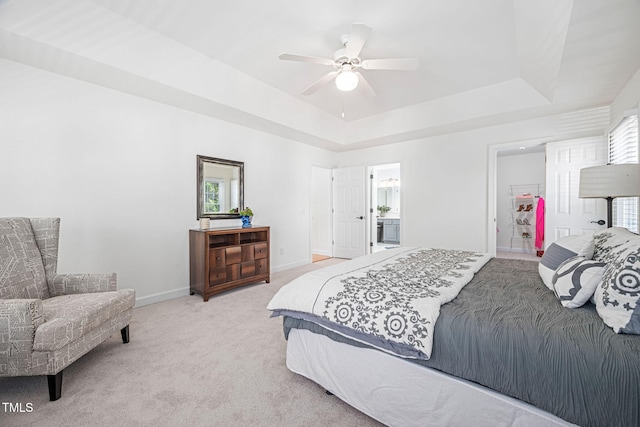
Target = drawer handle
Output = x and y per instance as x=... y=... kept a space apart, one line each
x=218 y=258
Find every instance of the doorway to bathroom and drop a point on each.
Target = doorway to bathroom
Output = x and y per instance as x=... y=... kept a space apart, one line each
x=385 y=206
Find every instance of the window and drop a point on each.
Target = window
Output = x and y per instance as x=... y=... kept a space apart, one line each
x=213 y=195
x=623 y=148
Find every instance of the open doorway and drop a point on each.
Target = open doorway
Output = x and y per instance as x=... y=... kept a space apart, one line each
x=385 y=206
x=320 y=206
x=381 y=221
x=338 y=209
x=564 y=212
x=520 y=186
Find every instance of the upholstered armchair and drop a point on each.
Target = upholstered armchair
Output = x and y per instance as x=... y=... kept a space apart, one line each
x=49 y=320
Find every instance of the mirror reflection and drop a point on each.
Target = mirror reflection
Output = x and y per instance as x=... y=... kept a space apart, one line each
x=220 y=187
x=389 y=195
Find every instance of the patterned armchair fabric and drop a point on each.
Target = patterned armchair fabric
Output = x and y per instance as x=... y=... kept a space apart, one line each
x=22 y=272
x=49 y=320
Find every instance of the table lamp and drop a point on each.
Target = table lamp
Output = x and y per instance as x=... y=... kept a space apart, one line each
x=609 y=182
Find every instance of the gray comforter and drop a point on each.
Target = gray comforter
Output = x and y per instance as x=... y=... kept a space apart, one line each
x=507 y=331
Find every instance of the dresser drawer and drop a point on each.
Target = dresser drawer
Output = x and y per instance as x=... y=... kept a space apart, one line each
x=248 y=253
x=233 y=255
x=261 y=250
x=233 y=272
x=217 y=276
x=248 y=269
x=262 y=266
x=217 y=258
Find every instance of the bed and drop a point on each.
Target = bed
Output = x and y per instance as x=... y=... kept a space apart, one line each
x=503 y=350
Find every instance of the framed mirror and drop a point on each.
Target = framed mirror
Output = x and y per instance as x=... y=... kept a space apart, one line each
x=220 y=187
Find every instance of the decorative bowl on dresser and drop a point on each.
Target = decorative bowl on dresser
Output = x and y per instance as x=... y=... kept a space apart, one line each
x=225 y=258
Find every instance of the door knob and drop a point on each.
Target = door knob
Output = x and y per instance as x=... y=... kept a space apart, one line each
x=359 y=217
x=599 y=222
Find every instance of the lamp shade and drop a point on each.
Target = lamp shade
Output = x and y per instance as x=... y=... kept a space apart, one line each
x=619 y=180
x=346 y=81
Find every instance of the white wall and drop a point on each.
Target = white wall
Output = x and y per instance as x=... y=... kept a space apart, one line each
x=518 y=170
x=445 y=179
x=627 y=99
x=443 y=189
x=121 y=173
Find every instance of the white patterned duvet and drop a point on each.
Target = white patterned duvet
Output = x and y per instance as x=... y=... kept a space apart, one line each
x=390 y=300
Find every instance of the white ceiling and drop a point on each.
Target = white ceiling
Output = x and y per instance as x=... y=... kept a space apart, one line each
x=481 y=63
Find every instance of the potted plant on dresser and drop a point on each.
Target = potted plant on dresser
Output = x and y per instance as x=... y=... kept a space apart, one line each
x=246 y=215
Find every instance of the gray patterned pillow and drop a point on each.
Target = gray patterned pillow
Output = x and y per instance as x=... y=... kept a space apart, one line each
x=560 y=251
x=20 y=262
x=575 y=281
x=618 y=296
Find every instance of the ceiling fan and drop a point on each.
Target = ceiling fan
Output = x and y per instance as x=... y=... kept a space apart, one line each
x=346 y=61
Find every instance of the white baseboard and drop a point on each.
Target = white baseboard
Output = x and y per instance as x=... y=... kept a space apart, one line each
x=289 y=266
x=162 y=296
x=322 y=252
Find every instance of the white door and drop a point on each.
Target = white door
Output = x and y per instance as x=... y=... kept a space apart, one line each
x=349 y=212
x=566 y=213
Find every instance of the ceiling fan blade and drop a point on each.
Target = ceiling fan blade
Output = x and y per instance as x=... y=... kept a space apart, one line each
x=400 y=64
x=323 y=81
x=303 y=58
x=364 y=85
x=357 y=38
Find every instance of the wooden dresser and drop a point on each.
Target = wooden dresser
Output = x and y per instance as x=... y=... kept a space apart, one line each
x=225 y=258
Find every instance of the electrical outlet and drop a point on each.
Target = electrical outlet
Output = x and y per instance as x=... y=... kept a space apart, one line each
x=281 y=251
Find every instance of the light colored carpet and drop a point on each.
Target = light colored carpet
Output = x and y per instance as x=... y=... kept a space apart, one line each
x=189 y=362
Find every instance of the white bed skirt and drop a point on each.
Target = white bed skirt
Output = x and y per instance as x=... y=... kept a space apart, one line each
x=397 y=392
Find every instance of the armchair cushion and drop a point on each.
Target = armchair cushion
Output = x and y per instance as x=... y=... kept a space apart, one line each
x=68 y=317
x=22 y=273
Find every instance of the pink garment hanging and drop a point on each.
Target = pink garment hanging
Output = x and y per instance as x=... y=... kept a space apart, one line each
x=540 y=223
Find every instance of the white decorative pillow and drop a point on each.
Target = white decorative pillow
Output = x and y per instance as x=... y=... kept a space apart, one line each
x=612 y=242
x=576 y=279
x=618 y=296
x=560 y=251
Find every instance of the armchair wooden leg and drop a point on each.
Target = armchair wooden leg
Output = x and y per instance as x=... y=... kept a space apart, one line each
x=125 y=334
x=55 y=386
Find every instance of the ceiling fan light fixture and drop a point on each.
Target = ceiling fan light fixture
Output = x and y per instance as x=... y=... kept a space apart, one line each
x=346 y=81
x=346 y=63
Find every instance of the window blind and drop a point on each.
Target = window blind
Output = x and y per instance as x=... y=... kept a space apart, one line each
x=623 y=148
